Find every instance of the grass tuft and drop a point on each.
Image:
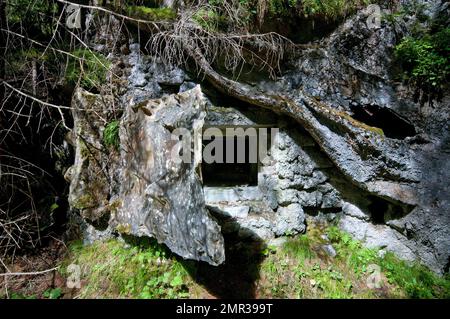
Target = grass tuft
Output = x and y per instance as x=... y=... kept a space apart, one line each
x=111 y=135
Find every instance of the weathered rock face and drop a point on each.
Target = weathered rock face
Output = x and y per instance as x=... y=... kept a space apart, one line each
x=351 y=70
x=143 y=190
x=160 y=195
x=89 y=176
x=140 y=190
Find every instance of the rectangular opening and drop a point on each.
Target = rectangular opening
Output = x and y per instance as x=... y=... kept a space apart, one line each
x=230 y=174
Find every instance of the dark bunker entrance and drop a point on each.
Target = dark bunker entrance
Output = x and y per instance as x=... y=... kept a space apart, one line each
x=236 y=159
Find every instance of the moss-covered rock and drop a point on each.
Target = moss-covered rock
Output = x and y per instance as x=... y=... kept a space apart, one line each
x=89 y=188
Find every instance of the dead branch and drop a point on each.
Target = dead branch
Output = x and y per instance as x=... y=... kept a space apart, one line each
x=33 y=273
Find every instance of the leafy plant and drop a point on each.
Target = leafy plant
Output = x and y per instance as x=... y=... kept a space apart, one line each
x=417 y=280
x=54 y=293
x=332 y=9
x=414 y=279
x=15 y=295
x=425 y=60
x=268 y=250
x=144 y=269
x=300 y=247
x=31 y=14
x=209 y=19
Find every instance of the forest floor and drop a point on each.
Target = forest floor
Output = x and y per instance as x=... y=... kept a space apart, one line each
x=298 y=267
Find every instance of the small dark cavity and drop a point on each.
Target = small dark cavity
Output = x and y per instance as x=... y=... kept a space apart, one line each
x=170 y=88
x=230 y=174
x=377 y=209
x=102 y=223
x=393 y=125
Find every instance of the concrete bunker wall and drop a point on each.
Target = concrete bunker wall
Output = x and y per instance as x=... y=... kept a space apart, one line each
x=287 y=185
x=299 y=182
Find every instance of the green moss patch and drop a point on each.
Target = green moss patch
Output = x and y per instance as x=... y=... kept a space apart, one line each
x=151 y=14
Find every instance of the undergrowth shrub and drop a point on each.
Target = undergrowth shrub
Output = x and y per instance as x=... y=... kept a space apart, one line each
x=28 y=14
x=329 y=9
x=426 y=60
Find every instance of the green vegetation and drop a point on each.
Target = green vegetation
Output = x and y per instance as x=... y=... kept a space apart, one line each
x=111 y=135
x=215 y=17
x=15 y=295
x=425 y=60
x=414 y=280
x=85 y=201
x=115 y=270
x=51 y=293
x=423 y=55
x=151 y=14
x=54 y=293
x=298 y=269
x=88 y=69
x=209 y=20
x=36 y=14
x=331 y=9
x=301 y=269
x=20 y=61
x=410 y=8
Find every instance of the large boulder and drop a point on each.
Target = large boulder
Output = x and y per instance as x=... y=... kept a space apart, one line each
x=142 y=189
